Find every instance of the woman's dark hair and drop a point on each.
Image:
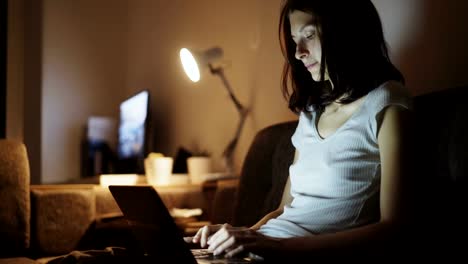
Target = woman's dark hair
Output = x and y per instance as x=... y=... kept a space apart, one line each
x=354 y=53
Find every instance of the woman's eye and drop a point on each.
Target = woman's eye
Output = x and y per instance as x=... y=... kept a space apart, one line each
x=310 y=35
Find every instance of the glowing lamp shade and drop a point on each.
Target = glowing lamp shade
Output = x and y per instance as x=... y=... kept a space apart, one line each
x=190 y=65
x=194 y=62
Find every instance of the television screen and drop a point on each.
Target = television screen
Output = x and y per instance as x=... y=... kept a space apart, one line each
x=132 y=126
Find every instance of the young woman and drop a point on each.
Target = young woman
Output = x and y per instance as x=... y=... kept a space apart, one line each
x=348 y=180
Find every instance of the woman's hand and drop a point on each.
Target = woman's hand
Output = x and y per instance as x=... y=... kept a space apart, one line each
x=203 y=234
x=233 y=240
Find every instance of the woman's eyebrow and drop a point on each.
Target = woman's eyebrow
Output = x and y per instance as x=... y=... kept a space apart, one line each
x=302 y=28
x=307 y=25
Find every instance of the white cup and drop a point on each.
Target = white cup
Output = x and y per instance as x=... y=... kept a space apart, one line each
x=198 y=168
x=158 y=170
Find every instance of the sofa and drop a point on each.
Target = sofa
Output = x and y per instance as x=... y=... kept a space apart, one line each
x=439 y=157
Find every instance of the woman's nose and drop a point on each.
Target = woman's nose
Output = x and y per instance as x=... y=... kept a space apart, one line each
x=301 y=51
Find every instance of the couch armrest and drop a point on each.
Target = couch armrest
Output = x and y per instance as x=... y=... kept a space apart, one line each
x=14 y=198
x=18 y=260
x=61 y=215
x=106 y=206
x=223 y=202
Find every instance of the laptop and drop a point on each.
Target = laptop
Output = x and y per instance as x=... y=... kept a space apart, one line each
x=156 y=231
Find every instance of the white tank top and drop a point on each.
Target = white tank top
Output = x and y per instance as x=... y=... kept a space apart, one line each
x=335 y=181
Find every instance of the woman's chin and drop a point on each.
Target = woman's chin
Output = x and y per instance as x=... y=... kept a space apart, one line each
x=315 y=77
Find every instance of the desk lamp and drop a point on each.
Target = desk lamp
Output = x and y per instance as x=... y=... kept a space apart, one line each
x=193 y=63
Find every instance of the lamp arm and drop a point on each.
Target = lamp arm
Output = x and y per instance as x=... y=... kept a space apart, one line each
x=220 y=72
x=228 y=153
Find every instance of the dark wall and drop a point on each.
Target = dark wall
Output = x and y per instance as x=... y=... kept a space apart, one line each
x=3 y=63
x=32 y=86
x=435 y=58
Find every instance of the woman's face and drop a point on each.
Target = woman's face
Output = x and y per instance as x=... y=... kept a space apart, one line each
x=308 y=47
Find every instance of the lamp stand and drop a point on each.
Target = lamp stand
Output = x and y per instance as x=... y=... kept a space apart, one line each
x=228 y=153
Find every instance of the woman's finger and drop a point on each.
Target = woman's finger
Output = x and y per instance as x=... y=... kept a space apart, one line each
x=218 y=238
x=196 y=237
x=221 y=228
x=224 y=245
x=205 y=232
x=237 y=250
x=189 y=239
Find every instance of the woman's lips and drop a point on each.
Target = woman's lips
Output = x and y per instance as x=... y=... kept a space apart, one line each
x=310 y=66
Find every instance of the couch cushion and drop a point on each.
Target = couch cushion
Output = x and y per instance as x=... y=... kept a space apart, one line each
x=442 y=150
x=14 y=197
x=441 y=137
x=264 y=173
x=441 y=163
x=105 y=203
x=61 y=217
x=19 y=260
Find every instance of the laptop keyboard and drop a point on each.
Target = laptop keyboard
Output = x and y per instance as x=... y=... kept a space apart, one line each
x=205 y=254
x=201 y=253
